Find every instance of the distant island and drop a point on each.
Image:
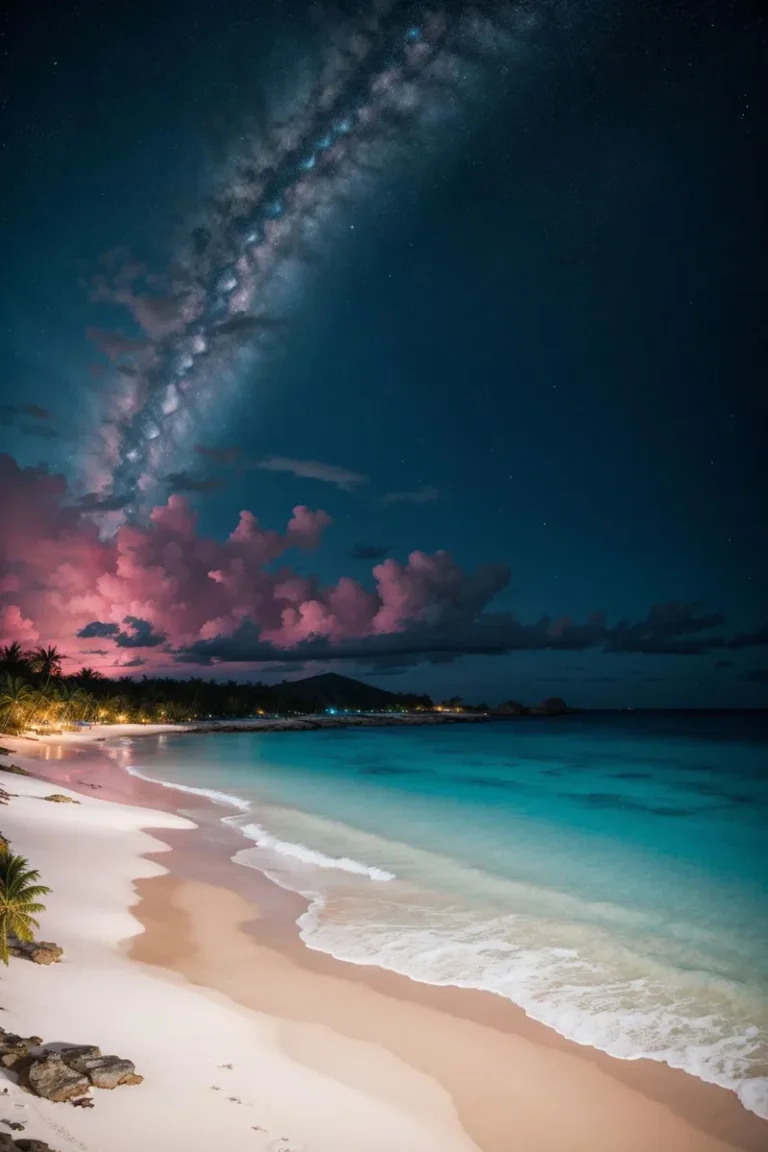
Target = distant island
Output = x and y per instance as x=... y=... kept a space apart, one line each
x=35 y=696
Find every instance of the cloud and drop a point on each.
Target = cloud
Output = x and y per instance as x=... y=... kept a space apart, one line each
x=424 y=495
x=245 y=326
x=98 y=628
x=757 y=638
x=724 y=664
x=35 y=411
x=140 y=634
x=181 y=596
x=97 y=502
x=755 y=676
x=314 y=470
x=191 y=482
x=369 y=552
x=668 y=629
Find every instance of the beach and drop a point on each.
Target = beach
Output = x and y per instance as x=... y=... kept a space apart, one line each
x=187 y=963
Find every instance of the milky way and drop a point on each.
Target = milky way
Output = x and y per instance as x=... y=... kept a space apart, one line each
x=385 y=81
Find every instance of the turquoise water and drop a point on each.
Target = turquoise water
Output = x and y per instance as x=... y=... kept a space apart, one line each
x=608 y=874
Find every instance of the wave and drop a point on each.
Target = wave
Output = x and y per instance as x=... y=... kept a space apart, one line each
x=596 y=987
x=223 y=799
x=629 y=1017
x=266 y=840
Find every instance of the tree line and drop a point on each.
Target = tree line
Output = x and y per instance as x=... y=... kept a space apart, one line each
x=35 y=692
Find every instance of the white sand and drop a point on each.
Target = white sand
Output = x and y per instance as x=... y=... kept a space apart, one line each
x=180 y=1037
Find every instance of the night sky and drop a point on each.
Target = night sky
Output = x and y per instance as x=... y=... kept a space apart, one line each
x=484 y=280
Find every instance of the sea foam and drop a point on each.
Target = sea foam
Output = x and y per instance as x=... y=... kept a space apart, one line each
x=267 y=841
x=223 y=799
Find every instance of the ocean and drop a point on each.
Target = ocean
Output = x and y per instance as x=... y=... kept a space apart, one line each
x=609 y=874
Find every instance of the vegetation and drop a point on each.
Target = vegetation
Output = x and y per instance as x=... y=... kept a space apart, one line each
x=20 y=895
x=34 y=694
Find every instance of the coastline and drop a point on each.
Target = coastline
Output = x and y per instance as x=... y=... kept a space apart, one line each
x=484 y=1073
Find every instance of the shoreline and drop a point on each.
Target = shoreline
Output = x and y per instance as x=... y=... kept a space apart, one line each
x=220 y=926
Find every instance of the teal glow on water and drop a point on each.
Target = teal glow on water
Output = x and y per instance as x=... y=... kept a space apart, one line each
x=610 y=875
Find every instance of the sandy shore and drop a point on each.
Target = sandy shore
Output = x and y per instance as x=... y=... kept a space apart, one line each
x=217 y=1075
x=328 y=1055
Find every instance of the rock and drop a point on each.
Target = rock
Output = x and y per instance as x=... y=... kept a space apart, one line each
x=16 y=769
x=38 y=951
x=79 y=1052
x=32 y=1146
x=14 y=1049
x=104 y=1071
x=14 y=1125
x=57 y=798
x=48 y=1076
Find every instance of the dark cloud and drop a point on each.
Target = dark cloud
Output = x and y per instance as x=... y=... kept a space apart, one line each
x=35 y=411
x=98 y=502
x=467 y=629
x=369 y=552
x=668 y=629
x=98 y=628
x=138 y=635
x=191 y=482
x=246 y=326
x=755 y=676
x=754 y=639
x=724 y=664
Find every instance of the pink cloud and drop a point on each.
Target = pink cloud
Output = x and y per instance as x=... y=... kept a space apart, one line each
x=60 y=578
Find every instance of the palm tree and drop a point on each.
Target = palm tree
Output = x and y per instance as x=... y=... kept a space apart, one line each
x=47 y=661
x=19 y=900
x=13 y=659
x=87 y=676
x=75 y=702
x=16 y=699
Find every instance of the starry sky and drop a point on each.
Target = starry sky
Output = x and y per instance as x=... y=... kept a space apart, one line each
x=419 y=343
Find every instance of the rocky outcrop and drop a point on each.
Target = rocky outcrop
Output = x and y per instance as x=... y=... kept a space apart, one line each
x=38 y=951
x=57 y=798
x=66 y=1074
x=48 y=1076
x=103 y=1071
x=14 y=1049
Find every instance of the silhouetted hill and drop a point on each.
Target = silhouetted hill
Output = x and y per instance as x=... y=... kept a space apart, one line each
x=330 y=690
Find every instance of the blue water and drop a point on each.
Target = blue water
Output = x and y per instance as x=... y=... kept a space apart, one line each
x=608 y=874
